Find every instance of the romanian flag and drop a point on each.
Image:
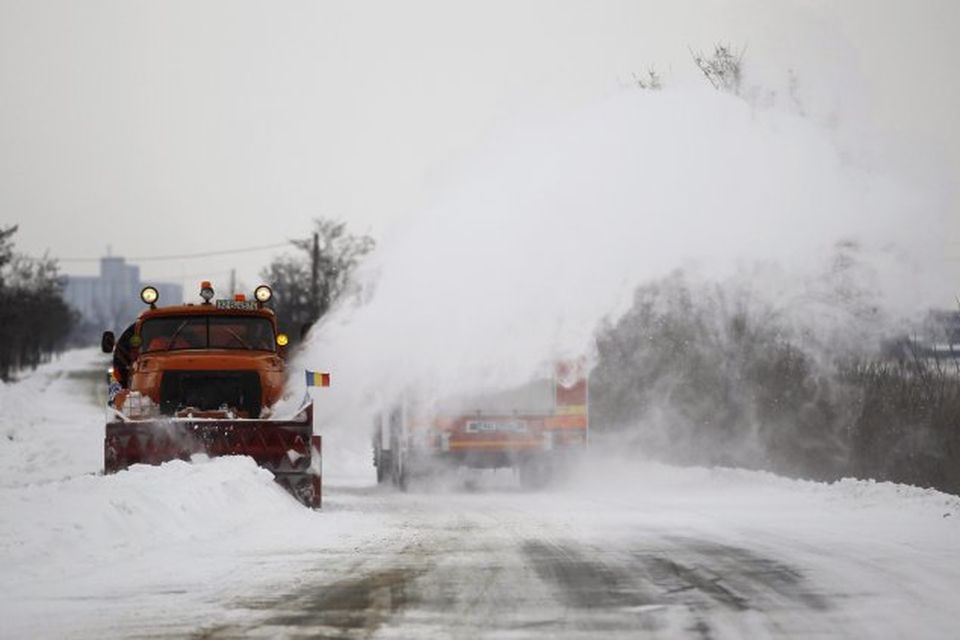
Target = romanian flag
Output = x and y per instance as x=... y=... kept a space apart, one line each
x=317 y=379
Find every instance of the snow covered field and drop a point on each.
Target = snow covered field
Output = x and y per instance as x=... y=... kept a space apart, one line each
x=215 y=549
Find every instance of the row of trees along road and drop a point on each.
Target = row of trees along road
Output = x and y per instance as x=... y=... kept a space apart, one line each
x=307 y=283
x=34 y=319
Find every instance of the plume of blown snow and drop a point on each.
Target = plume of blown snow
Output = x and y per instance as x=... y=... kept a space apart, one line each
x=550 y=229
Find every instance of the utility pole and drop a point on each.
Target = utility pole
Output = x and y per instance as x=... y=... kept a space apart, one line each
x=233 y=282
x=315 y=278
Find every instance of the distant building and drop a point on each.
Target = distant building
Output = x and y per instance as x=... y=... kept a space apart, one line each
x=112 y=299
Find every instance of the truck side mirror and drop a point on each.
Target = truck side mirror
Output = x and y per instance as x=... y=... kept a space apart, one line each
x=107 y=342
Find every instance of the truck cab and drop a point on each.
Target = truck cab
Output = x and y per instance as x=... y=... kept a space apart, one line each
x=222 y=358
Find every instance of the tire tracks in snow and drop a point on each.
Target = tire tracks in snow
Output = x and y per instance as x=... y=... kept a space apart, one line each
x=473 y=573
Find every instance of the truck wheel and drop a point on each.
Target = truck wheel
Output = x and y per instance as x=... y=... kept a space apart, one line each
x=401 y=476
x=384 y=467
x=398 y=464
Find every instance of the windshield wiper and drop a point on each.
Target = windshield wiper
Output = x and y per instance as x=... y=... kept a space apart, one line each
x=176 y=334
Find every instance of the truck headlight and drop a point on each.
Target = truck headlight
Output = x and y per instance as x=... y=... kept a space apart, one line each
x=149 y=295
x=263 y=293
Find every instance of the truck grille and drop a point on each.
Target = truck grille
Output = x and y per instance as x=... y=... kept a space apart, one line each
x=210 y=391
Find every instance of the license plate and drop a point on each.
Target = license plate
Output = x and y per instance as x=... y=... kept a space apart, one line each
x=494 y=426
x=236 y=304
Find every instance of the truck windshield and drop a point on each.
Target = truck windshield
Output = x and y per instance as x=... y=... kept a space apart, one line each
x=207 y=332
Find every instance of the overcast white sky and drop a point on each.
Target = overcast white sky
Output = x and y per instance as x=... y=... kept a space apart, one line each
x=176 y=127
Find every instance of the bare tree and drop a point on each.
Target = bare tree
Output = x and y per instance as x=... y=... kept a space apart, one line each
x=724 y=69
x=6 y=249
x=34 y=319
x=651 y=81
x=307 y=284
x=793 y=91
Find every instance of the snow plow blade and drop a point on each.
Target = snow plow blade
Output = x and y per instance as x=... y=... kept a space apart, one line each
x=286 y=448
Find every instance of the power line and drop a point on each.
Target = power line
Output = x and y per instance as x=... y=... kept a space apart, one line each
x=186 y=256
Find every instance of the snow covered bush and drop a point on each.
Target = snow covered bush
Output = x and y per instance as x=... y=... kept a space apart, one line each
x=714 y=374
x=908 y=429
x=704 y=374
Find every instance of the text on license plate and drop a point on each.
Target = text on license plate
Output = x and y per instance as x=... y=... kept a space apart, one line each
x=489 y=426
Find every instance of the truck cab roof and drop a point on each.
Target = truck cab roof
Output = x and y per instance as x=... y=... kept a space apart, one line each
x=219 y=308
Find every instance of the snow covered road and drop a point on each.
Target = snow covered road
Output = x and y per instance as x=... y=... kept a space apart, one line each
x=503 y=564
x=216 y=550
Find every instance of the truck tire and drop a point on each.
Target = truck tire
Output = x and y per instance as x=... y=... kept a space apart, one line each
x=401 y=471
x=384 y=467
x=398 y=463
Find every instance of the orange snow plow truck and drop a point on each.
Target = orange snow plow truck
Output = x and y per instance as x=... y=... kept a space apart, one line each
x=204 y=379
x=536 y=429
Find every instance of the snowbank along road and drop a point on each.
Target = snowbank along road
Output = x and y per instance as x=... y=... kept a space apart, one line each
x=215 y=550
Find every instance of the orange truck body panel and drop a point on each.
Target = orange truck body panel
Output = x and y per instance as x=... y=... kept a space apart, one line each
x=563 y=424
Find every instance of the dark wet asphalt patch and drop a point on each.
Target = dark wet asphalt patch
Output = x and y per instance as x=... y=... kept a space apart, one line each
x=756 y=578
x=675 y=579
x=695 y=576
x=364 y=603
x=584 y=582
x=350 y=608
